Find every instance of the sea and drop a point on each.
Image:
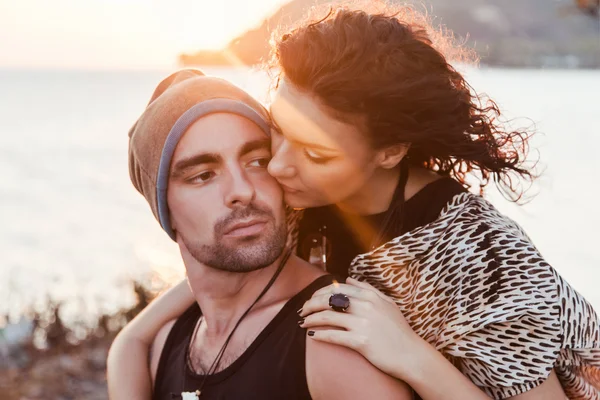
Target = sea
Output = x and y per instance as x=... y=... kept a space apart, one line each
x=74 y=231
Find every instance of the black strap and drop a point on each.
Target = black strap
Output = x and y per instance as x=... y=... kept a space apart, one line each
x=392 y=223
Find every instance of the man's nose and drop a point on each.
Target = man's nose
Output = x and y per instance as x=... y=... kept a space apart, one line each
x=280 y=166
x=240 y=191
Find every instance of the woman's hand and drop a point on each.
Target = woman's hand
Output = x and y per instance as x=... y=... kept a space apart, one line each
x=372 y=325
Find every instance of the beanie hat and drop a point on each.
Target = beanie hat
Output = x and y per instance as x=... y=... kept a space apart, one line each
x=179 y=101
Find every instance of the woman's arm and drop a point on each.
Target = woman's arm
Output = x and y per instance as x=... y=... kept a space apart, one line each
x=450 y=383
x=375 y=327
x=128 y=370
x=432 y=376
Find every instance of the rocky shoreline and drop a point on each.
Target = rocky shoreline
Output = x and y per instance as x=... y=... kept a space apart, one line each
x=63 y=369
x=74 y=372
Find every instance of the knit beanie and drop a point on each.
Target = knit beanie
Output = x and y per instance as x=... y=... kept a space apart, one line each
x=179 y=101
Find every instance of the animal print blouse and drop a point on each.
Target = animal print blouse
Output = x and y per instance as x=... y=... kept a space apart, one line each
x=474 y=286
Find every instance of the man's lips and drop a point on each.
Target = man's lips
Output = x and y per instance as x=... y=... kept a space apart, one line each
x=246 y=228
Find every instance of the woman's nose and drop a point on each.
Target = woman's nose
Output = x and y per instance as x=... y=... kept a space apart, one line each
x=281 y=164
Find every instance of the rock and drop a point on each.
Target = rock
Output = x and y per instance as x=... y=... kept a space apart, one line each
x=35 y=390
x=97 y=358
x=72 y=364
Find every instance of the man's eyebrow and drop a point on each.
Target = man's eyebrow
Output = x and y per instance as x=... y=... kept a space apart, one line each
x=205 y=158
x=305 y=144
x=260 y=144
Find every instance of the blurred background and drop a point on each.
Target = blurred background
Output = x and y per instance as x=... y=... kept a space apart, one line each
x=80 y=252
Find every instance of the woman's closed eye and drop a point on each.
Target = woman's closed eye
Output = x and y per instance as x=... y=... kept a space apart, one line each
x=316 y=157
x=310 y=154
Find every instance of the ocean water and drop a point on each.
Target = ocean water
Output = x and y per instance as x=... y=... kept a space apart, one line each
x=73 y=228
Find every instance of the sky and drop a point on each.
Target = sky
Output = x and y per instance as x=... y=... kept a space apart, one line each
x=107 y=34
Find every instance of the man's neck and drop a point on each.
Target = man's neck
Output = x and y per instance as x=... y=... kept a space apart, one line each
x=224 y=296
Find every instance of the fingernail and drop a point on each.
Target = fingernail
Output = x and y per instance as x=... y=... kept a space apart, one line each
x=299 y=311
x=301 y=321
x=311 y=333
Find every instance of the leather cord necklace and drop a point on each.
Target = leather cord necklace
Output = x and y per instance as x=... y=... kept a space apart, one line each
x=392 y=223
x=217 y=360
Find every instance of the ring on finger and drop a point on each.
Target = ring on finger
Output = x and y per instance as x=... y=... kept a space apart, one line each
x=339 y=302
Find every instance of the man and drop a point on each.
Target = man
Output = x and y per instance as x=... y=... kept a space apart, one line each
x=199 y=154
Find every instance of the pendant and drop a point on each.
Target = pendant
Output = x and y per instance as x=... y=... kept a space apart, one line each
x=316 y=249
x=190 y=395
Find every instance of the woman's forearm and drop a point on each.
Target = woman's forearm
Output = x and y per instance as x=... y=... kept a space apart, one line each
x=432 y=376
x=128 y=370
x=166 y=307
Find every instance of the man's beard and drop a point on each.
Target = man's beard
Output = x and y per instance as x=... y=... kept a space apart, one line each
x=259 y=252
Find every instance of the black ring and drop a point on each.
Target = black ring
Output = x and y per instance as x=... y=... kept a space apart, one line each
x=339 y=302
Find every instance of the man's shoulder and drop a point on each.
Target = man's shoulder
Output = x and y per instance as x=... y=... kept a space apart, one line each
x=336 y=372
x=308 y=270
x=305 y=279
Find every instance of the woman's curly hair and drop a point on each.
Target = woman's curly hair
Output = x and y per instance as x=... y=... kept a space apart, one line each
x=386 y=68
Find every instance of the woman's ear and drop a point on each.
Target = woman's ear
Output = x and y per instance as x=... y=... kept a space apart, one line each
x=389 y=157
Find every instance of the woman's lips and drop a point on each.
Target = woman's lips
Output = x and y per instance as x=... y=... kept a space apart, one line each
x=288 y=189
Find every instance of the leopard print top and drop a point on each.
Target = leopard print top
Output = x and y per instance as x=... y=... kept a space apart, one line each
x=474 y=286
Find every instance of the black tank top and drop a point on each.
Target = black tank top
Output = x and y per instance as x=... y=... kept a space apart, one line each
x=343 y=244
x=272 y=367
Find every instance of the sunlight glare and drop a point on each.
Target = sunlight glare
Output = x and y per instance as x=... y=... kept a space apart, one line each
x=204 y=27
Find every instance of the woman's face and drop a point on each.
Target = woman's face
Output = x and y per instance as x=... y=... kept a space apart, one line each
x=317 y=159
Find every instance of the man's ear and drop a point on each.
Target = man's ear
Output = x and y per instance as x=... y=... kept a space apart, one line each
x=389 y=157
x=173 y=224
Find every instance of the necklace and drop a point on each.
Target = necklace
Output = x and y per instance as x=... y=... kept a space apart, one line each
x=394 y=216
x=215 y=364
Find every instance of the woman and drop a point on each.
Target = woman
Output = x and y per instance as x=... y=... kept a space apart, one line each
x=374 y=135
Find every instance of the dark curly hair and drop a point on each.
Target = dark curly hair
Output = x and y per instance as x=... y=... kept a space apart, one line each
x=387 y=69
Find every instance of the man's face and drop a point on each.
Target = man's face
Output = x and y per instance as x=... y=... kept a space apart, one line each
x=226 y=209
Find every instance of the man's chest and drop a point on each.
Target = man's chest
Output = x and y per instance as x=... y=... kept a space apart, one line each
x=210 y=356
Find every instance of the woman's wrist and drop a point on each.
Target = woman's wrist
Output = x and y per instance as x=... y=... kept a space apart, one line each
x=421 y=363
x=413 y=367
x=425 y=362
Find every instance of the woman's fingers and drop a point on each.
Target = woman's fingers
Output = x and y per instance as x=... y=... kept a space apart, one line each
x=367 y=286
x=348 y=290
x=316 y=304
x=362 y=285
x=358 y=293
x=356 y=282
x=343 y=338
x=321 y=303
x=351 y=291
x=331 y=319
